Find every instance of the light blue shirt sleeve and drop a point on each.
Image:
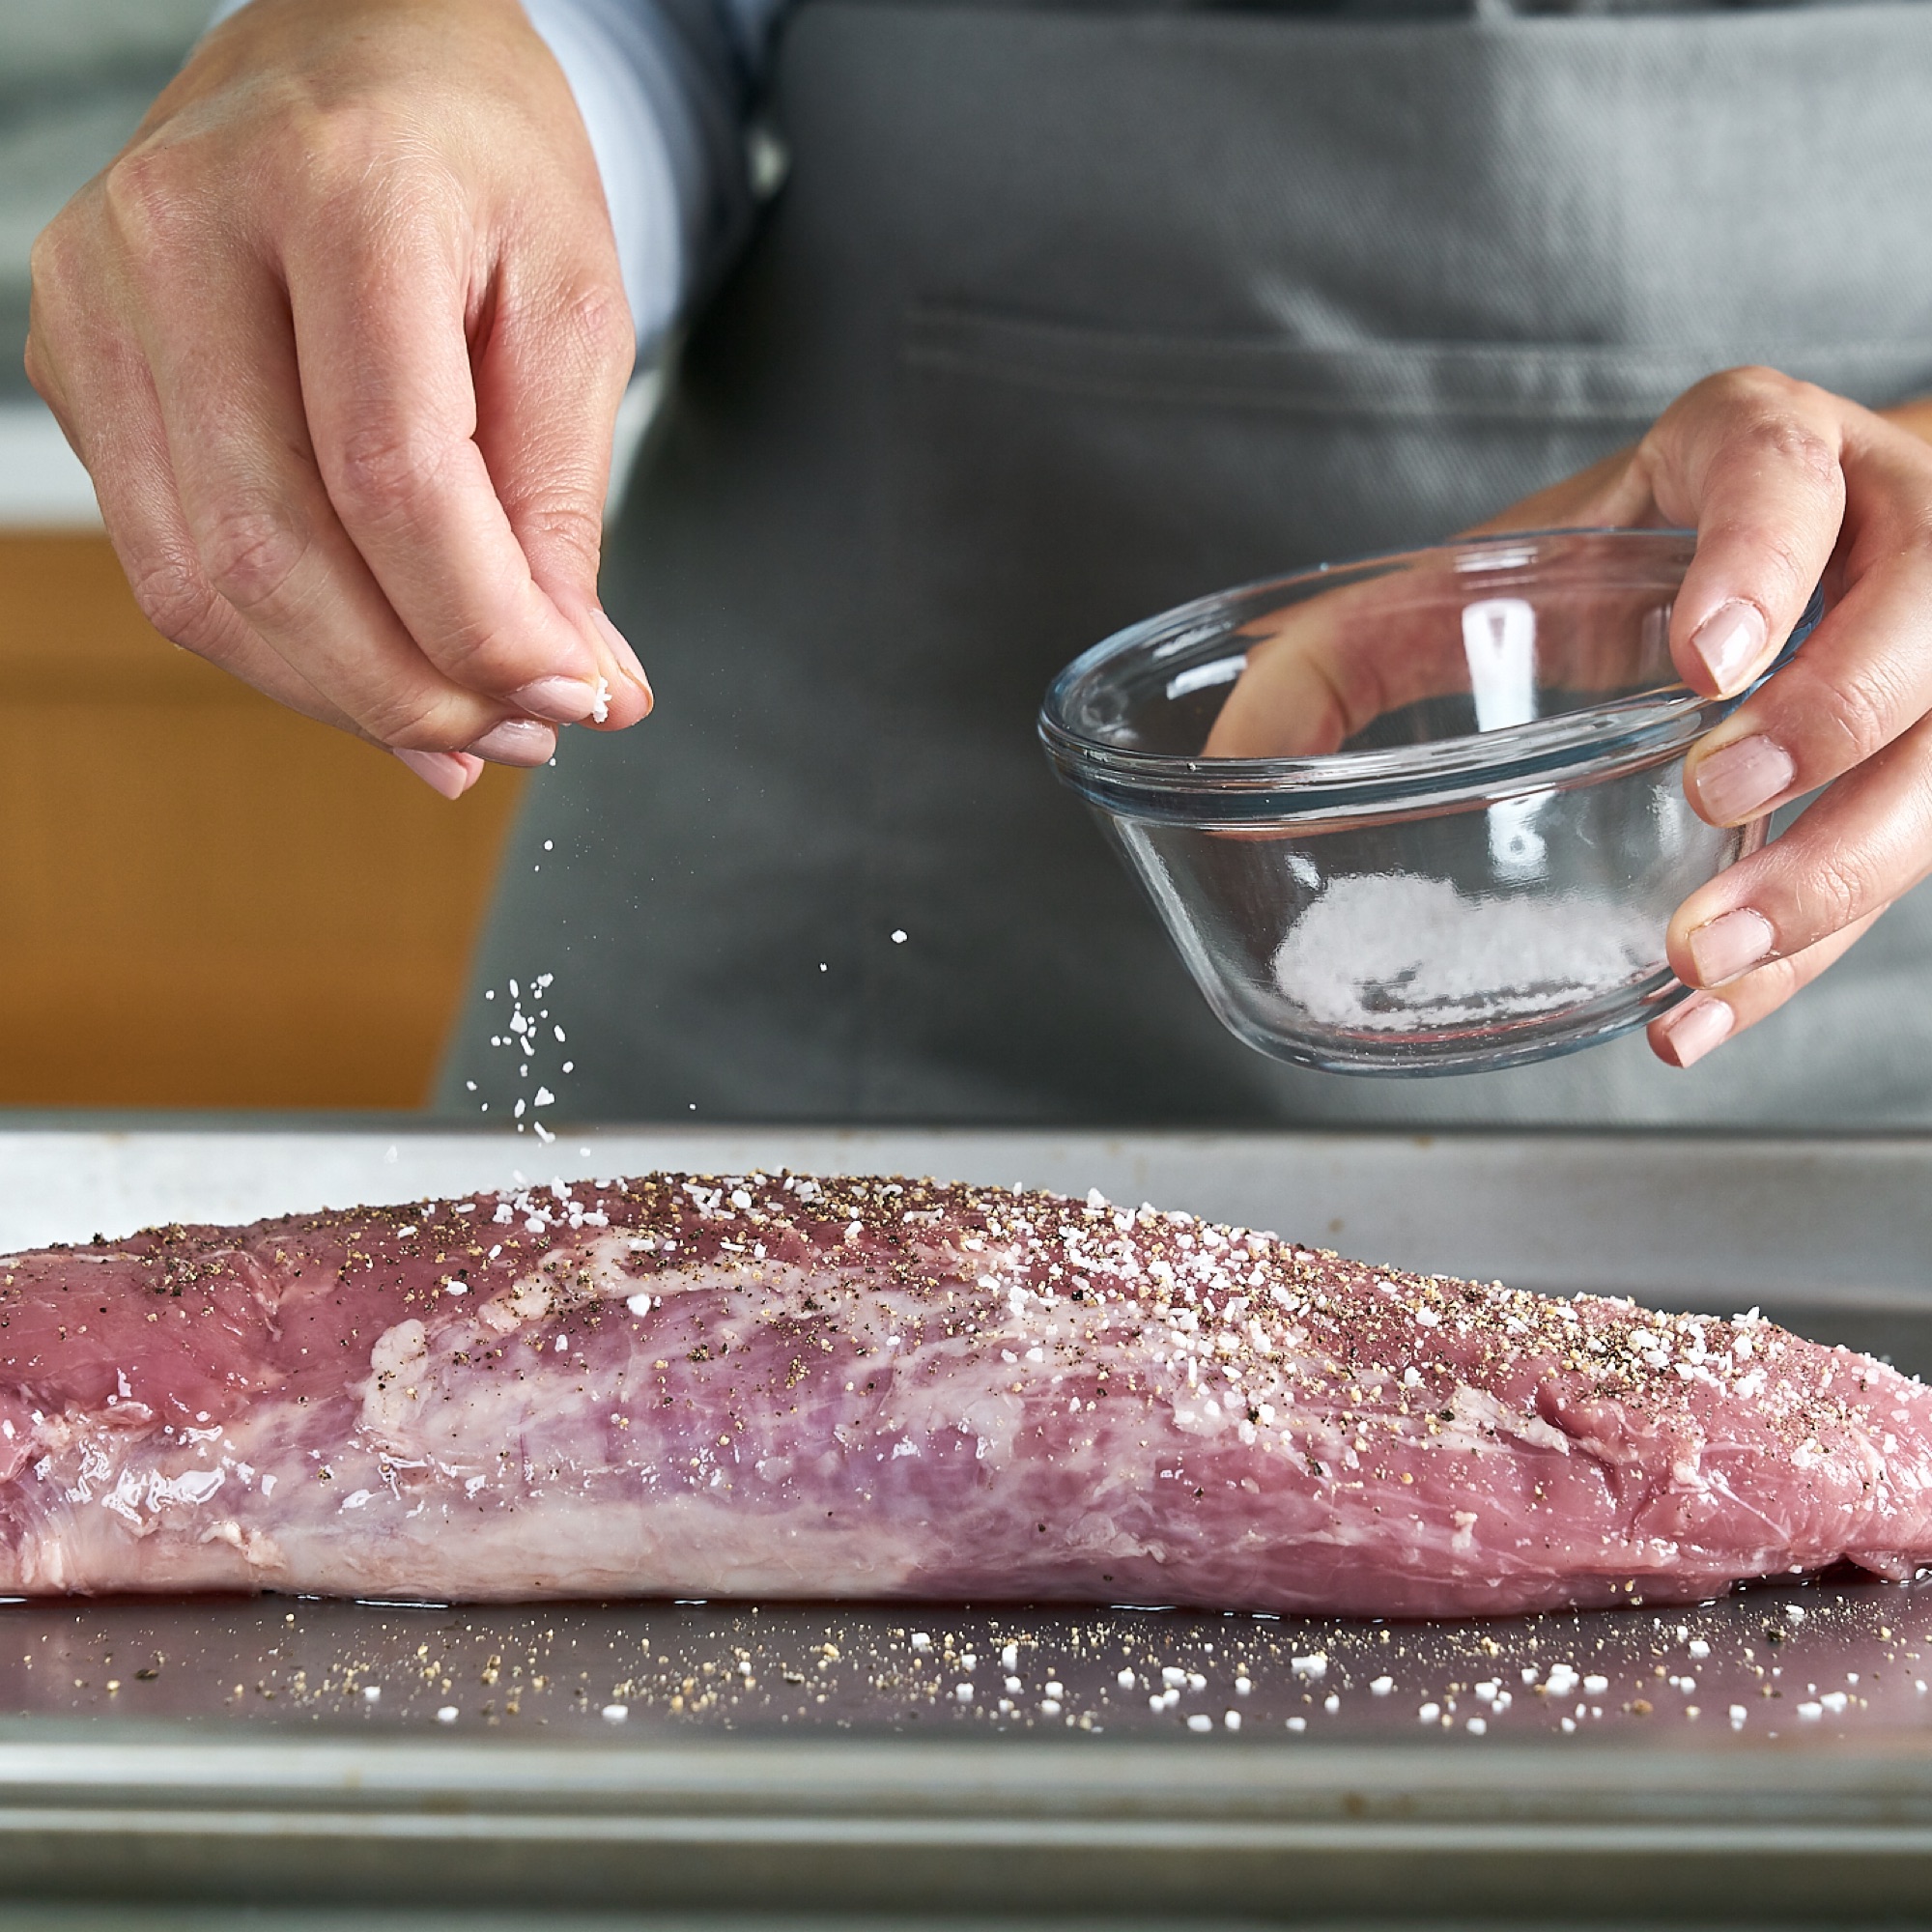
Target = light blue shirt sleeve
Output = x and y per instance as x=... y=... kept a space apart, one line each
x=666 y=90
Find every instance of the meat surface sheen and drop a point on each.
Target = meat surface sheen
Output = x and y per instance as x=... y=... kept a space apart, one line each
x=767 y=1386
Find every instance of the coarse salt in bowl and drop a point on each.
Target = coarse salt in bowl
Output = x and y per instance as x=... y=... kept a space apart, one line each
x=1422 y=814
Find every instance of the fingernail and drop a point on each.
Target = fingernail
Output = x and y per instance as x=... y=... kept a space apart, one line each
x=1722 y=949
x=442 y=771
x=1738 y=781
x=563 y=700
x=1697 y=1026
x=517 y=741
x=620 y=649
x=1730 y=640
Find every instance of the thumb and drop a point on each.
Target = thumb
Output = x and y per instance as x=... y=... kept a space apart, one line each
x=1752 y=459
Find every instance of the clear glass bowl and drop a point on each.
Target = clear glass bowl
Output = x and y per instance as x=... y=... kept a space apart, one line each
x=1422 y=814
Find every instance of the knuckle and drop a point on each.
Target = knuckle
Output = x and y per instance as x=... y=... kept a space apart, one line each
x=249 y=555
x=1770 y=985
x=52 y=263
x=174 y=596
x=567 y=518
x=1844 y=715
x=1789 y=570
x=599 y=317
x=413 y=721
x=1862 y=713
x=145 y=204
x=1756 y=388
x=1833 y=892
x=378 y=473
x=39 y=367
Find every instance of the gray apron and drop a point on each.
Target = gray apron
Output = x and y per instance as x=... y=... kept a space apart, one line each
x=1067 y=314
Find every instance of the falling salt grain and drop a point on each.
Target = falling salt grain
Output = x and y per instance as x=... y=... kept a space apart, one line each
x=615 y=1714
x=1202 y=1721
x=372 y=1693
x=447 y=1714
x=1297 y=1723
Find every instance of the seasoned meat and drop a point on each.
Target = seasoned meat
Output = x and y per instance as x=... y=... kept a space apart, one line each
x=775 y=1387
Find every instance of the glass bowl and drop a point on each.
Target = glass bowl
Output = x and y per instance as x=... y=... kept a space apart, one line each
x=1422 y=814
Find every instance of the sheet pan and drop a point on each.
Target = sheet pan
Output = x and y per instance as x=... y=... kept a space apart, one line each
x=1768 y=1756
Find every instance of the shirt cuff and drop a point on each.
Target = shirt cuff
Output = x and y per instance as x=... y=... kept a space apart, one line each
x=629 y=98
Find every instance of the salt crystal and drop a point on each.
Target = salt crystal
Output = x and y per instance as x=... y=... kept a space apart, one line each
x=1397 y=953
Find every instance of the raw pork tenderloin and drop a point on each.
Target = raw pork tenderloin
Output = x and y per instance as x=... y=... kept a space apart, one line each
x=767 y=1386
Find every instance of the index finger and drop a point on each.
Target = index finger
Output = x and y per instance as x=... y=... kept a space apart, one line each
x=391 y=408
x=1752 y=459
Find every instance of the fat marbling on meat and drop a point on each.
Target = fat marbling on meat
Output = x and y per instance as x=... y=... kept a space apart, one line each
x=769 y=1385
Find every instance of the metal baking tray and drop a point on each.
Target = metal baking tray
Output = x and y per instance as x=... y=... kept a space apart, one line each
x=1767 y=1756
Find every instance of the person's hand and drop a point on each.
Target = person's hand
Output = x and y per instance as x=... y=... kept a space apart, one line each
x=1787 y=486
x=340 y=336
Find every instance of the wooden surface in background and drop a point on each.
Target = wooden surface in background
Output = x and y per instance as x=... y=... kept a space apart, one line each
x=205 y=901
